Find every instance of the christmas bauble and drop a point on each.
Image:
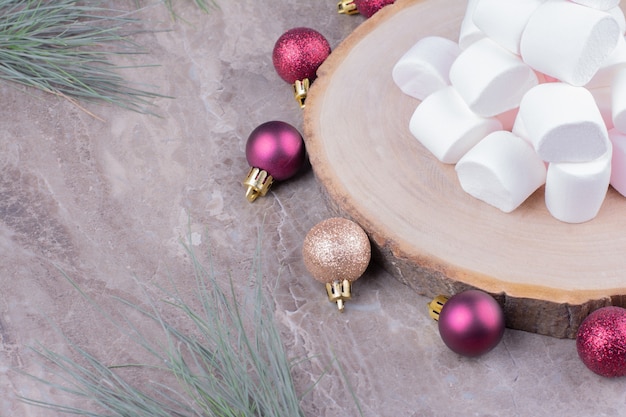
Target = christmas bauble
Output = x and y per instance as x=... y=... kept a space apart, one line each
x=471 y=323
x=336 y=249
x=298 y=53
x=601 y=341
x=368 y=7
x=276 y=147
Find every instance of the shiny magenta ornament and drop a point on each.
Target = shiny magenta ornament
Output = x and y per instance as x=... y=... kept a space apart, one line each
x=275 y=151
x=366 y=7
x=601 y=341
x=471 y=323
x=297 y=55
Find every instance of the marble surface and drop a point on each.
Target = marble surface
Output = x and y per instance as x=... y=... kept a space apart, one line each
x=109 y=202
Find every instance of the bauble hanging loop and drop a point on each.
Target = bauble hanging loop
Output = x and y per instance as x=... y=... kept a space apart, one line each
x=336 y=252
x=347 y=7
x=297 y=55
x=471 y=323
x=275 y=151
x=601 y=341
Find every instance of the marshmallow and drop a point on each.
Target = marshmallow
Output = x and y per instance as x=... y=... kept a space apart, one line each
x=598 y=4
x=491 y=79
x=618 y=15
x=613 y=63
x=602 y=96
x=618 y=162
x=568 y=41
x=424 y=68
x=563 y=123
x=447 y=127
x=502 y=170
x=618 y=100
x=469 y=32
x=503 y=21
x=574 y=192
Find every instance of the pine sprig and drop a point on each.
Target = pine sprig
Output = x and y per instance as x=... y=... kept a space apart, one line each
x=65 y=48
x=227 y=361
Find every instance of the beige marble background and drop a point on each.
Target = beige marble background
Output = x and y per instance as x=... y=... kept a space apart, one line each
x=109 y=202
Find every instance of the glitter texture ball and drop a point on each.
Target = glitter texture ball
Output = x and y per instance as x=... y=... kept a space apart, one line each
x=471 y=323
x=601 y=341
x=336 y=249
x=298 y=53
x=368 y=7
x=276 y=147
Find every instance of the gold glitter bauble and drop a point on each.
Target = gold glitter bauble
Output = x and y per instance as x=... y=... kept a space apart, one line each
x=336 y=249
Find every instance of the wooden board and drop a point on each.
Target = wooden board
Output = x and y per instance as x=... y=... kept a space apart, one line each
x=425 y=230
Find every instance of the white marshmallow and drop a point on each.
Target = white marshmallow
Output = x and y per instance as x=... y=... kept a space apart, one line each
x=425 y=67
x=447 y=127
x=618 y=100
x=568 y=41
x=598 y=4
x=602 y=96
x=491 y=79
x=469 y=32
x=618 y=162
x=564 y=123
x=503 y=21
x=502 y=170
x=618 y=15
x=575 y=192
x=614 y=62
x=519 y=129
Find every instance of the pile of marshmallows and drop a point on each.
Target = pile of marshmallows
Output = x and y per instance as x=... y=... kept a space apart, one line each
x=533 y=93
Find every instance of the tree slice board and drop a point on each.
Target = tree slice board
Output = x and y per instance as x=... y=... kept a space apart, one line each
x=425 y=230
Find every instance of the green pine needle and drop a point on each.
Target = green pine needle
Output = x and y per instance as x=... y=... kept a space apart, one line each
x=231 y=363
x=64 y=47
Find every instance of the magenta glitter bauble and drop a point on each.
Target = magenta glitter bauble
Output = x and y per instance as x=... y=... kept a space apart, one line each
x=298 y=53
x=601 y=341
x=471 y=323
x=368 y=7
x=276 y=147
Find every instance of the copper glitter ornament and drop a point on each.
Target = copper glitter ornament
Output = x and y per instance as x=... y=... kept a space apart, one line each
x=336 y=252
x=601 y=341
x=297 y=55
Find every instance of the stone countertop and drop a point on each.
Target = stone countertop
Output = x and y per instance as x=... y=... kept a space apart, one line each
x=109 y=201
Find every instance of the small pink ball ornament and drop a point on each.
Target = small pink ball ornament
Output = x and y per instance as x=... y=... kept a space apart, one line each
x=275 y=151
x=601 y=341
x=297 y=55
x=471 y=323
x=365 y=7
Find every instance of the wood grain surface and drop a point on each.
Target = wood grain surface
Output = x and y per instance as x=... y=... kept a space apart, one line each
x=426 y=231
